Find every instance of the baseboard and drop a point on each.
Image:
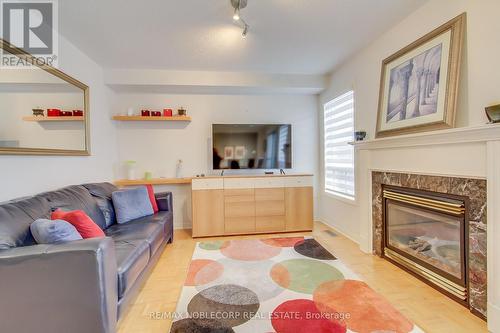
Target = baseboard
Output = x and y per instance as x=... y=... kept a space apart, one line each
x=493 y=318
x=182 y=226
x=338 y=230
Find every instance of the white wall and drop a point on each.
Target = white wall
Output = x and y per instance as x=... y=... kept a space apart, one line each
x=26 y=175
x=479 y=88
x=157 y=146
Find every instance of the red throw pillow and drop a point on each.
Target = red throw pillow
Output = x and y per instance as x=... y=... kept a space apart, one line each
x=81 y=221
x=152 y=198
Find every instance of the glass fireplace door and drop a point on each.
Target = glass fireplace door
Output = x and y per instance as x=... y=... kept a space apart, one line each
x=435 y=239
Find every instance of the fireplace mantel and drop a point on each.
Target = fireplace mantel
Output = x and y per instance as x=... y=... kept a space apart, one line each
x=490 y=132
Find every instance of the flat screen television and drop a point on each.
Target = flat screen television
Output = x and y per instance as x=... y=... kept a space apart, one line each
x=251 y=146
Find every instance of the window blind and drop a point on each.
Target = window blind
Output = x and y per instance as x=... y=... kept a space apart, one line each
x=283 y=139
x=338 y=154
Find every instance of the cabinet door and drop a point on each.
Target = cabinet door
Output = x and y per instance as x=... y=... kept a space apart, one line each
x=208 y=213
x=270 y=223
x=240 y=225
x=299 y=208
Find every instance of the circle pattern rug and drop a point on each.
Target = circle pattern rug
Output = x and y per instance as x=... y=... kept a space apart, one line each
x=279 y=285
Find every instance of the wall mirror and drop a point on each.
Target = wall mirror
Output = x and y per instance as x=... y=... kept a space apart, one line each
x=42 y=110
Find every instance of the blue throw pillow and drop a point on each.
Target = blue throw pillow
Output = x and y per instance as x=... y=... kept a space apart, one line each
x=131 y=204
x=53 y=232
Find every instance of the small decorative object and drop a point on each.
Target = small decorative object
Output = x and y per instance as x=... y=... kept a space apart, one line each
x=131 y=169
x=148 y=175
x=78 y=113
x=130 y=112
x=493 y=113
x=167 y=112
x=155 y=114
x=228 y=152
x=239 y=152
x=179 y=169
x=53 y=113
x=419 y=84
x=181 y=112
x=66 y=113
x=38 y=112
x=145 y=113
x=359 y=135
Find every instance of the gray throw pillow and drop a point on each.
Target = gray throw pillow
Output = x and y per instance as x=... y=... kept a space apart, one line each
x=53 y=232
x=132 y=204
x=107 y=209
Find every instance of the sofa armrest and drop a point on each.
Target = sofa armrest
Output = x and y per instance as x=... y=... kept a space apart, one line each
x=164 y=201
x=69 y=287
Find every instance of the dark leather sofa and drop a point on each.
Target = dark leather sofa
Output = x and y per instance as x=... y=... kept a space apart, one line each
x=81 y=286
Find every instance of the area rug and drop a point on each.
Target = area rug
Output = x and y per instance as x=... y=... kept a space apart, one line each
x=281 y=285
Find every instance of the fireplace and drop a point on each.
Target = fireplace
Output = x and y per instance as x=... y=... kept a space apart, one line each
x=425 y=233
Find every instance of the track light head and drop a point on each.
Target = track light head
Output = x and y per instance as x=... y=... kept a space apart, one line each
x=236 y=15
x=245 y=31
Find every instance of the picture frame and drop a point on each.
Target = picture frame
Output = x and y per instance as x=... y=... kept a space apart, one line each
x=239 y=152
x=228 y=152
x=419 y=84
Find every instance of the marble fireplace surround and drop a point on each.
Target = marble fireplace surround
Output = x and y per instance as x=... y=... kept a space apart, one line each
x=475 y=190
x=478 y=144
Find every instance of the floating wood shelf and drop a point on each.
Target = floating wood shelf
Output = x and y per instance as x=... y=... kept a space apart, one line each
x=46 y=119
x=154 y=181
x=141 y=118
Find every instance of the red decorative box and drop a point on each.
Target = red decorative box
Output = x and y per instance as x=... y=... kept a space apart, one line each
x=66 y=113
x=155 y=113
x=167 y=112
x=78 y=113
x=53 y=113
x=145 y=113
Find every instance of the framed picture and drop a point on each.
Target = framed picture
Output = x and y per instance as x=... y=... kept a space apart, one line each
x=228 y=152
x=419 y=84
x=239 y=152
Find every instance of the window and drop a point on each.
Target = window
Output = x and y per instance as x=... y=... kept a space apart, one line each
x=284 y=147
x=338 y=154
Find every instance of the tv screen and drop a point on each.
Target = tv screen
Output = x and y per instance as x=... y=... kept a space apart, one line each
x=251 y=146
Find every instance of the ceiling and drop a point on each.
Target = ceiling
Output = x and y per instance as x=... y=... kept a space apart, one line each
x=286 y=36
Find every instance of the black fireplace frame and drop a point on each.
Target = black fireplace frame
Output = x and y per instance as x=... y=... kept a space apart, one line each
x=464 y=238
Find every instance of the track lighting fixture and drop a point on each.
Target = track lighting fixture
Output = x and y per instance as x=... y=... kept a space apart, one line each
x=238 y=5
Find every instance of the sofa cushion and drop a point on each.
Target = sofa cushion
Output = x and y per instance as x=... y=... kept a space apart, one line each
x=153 y=233
x=36 y=207
x=132 y=257
x=53 y=232
x=14 y=226
x=131 y=204
x=162 y=218
x=17 y=217
x=101 y=190
x=76 y=198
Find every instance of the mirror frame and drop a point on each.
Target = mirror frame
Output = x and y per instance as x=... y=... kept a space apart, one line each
x=86 y=109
